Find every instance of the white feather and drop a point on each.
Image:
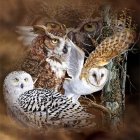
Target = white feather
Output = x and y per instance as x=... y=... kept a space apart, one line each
x=27 y=34
x=42 y=108
x=75 y=60
x=75 y=87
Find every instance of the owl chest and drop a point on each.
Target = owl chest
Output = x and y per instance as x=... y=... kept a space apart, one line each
x=57 y=68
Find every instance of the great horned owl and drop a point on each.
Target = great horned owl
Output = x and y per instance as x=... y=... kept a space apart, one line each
x=85 y=35
x=46 y=59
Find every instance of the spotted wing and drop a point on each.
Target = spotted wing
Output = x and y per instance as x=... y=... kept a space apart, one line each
x=48 y=108
x=110 y=48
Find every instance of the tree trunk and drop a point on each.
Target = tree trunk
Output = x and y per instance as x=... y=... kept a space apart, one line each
x=113 y=96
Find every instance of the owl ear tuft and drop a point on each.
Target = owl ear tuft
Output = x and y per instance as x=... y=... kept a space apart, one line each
x=39 y=29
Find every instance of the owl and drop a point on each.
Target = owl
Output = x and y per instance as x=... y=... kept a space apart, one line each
x=74 y=87
x=46 y=59
x=108 y=49
x=42 y=108
x=93 y=68
x=85 y=35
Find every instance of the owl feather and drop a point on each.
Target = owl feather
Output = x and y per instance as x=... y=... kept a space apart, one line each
x=108 y=49
x=42 y=108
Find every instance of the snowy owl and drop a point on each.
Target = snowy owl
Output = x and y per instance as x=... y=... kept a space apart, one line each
x=42 y=108
x=75 y=86
x=46 y=59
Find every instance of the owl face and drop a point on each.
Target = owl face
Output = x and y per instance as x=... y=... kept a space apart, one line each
x=83 y=34
x=18 y=82
x=55 y=46
x=98 y=76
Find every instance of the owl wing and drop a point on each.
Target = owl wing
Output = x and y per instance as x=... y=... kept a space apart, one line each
x=110 y=48
x=48 y=108
x=27 y=35
x=75 y=61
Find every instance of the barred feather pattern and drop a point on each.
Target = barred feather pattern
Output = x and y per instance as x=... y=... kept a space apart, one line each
x=45 y=108
x=36 y=65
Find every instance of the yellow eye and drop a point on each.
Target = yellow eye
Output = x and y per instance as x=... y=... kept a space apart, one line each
x=16 y=80
x=90 y=27
x=26 y=79
x=54 y=41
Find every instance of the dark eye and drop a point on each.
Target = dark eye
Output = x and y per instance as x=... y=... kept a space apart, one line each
x=102 y=75
x=94 y=75
x=26 y=79
x=65 y=49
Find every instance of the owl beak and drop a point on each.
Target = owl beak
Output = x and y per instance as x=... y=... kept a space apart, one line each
x=22 y=85
x=98 y=82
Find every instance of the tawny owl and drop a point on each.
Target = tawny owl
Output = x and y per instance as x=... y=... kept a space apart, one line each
x=42 y=108
x=46 y=59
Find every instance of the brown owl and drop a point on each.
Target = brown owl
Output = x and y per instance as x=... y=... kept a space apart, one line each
x=46 y=59
x=83 y=35
x=108 y=49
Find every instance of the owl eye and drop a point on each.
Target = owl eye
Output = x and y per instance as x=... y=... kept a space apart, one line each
x=94 y=75
x=26 y=79
x=90 y=27
x=16 y=80
x=54 y=41
x=102 y=75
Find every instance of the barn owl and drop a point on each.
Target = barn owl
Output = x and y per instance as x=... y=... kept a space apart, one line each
x=108 y=49
x=42 y=108
x=75 y=86
x=46 y=59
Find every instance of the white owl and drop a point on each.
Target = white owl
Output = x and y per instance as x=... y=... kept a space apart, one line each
x=75 y=86
x=42 y=108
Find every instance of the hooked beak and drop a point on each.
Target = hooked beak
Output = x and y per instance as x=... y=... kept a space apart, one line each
x=98 y=82
x=22 y=86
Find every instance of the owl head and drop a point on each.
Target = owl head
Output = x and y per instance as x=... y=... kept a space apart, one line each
x=17 y=82
x=52 y=39
x=98 y=76
x=85 y=33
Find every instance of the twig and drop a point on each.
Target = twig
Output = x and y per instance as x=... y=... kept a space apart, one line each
x=92 y=104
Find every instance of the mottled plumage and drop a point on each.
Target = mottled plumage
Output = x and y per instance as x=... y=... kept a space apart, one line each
x=108 y=49
x=42 y=108
x=46 y=59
